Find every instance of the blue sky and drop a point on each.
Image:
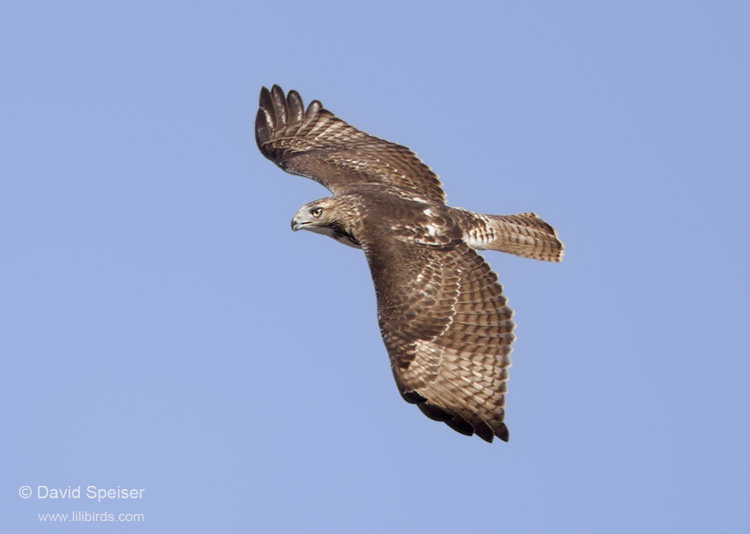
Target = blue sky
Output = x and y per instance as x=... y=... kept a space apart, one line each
x=162 y=328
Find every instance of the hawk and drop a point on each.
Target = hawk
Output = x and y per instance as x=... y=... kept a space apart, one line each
x=445 y=322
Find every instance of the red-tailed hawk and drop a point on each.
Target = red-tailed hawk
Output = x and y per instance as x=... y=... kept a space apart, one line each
x=444 y=319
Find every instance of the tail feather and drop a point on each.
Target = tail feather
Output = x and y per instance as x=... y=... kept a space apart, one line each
x=524 y=235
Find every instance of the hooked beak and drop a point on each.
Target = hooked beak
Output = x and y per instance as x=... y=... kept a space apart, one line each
x=299 y=222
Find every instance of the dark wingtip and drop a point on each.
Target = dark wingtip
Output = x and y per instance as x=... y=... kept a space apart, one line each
x=412 y=397
x=484 y=431
x=502 y=432
x=296 y=107
x=280 y=106
x=460 y=425
x=261 y=129
x=265 y=119
x=265 y=102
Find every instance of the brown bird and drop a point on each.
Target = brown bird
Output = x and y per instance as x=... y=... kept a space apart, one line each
x=444 y=319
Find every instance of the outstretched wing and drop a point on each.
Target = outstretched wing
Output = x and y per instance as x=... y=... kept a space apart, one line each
x=317 y=145
x=447 y=327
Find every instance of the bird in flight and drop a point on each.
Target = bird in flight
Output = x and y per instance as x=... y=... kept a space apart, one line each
x=445 y=322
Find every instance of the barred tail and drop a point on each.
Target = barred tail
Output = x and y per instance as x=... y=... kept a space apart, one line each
x=524 y=235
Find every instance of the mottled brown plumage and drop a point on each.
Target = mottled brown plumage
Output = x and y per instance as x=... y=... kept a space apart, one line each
x=442 y=313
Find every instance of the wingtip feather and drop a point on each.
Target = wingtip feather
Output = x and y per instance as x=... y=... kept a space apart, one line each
x=296 y=107
x=265 y=119
x=280 y=106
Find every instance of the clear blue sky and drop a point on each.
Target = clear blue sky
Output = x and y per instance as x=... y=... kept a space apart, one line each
x=162 y=327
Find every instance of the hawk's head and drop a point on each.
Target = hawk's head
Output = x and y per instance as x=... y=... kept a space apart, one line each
x=328 y=216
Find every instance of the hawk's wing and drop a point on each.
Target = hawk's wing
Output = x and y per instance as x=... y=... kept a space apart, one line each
x=447 y=328
x=316 y=144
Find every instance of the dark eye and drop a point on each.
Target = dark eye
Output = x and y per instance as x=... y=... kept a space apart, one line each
x=316 y=212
